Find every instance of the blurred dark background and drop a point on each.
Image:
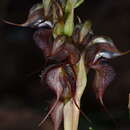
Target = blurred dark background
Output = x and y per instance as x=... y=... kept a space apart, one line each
x=23 y=100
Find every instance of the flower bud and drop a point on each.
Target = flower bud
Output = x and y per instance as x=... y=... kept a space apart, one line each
x=86 y=28
x=58 y=29
x=69 y=24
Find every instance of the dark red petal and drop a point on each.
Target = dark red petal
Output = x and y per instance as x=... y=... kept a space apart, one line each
x=53 y=77
x=104 y=75
x=42 y=38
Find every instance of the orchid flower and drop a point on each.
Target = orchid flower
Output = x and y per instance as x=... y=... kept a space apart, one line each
x=75 y=50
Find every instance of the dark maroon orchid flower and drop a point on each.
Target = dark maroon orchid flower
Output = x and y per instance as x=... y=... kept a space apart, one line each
x=35 y=19
x=98 y=52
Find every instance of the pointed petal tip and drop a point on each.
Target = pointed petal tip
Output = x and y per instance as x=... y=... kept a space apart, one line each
x=11 y=23
x=48 y=114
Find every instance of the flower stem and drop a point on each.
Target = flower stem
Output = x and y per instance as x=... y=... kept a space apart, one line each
x=71 y=111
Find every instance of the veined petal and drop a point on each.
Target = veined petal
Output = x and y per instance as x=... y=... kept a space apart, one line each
x=53 y=77
x=104 y=75
x=42 y=39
